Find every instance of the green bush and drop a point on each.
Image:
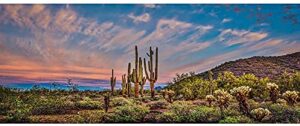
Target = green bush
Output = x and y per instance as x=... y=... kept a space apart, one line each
x=236 y=119
x=205 y=114
x=20 y=112
x=182 y=109
x=56 y=119
x=158 y=105
x=130 y=113
x=283 y=114
x=51 y=105
x=232 y=112
x=89 y=104
x=92 y=116
x=260 y=113
x=120 y=101
x=168 y=117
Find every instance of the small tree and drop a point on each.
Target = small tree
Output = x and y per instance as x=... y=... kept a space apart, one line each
x=273 y=91
x=291 y=97
x=241 y=94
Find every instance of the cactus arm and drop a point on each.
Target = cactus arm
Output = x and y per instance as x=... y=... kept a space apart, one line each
x=156 y=64
x=145 y=66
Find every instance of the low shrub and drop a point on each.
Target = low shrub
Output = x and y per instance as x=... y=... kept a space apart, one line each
x=291 y=97
x=130 y=113
x=120 y=101
x=283 y=114
x=236 y=119
x=205 y=114
x=158 y=105
x=182 y=109
x=168 y=117
x=92 y=116
x=56 y=119
x=260 y=113
x=88 y=104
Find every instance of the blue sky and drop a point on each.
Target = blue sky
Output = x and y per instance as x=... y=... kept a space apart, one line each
x=55 y=42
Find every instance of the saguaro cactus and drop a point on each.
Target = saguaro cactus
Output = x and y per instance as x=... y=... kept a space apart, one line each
x=129 y=78
x=152 y=76
x=112 y=82
x=106 y=102
x=124 y=85
x=137 y=73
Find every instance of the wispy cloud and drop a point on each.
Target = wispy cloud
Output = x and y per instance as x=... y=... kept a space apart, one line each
x=141 y=18
x=226 y=20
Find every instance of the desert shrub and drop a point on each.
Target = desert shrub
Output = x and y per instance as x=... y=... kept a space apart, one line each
x=167 y=117
x=236 y=119
x=291 y=97
x=273 y=91
x=130 y=113
x=170 y=95
x=231 y=112
x=241 y=94
x=158 y=105
x=210 y=99
x=152 y=117
x=92 y=116
x=89 y=104
x=205 y=114
x=120 y=101
x=20 y=113
x=260 y=113
x=50 y=105
x=283 y=113
x=56 y=119
x=182 y=109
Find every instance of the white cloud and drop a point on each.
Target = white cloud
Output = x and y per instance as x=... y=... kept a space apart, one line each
x=232 y=36
x=226 y=20
x=150 y=5
x=142 y=18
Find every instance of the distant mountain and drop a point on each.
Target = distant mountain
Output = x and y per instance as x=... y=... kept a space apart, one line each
x=261 y=66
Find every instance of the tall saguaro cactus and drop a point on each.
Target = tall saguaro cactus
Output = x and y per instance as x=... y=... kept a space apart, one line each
x=137 y=73
x=129 y=78
x=124 y=85
x=152 y=76
x=112 y=82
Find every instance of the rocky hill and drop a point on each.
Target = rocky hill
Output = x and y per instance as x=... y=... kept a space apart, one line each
x=261 y=66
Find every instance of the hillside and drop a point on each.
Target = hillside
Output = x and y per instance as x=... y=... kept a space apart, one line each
x=261 y=66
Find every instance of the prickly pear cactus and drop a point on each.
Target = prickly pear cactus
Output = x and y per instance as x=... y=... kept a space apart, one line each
x=260 y=113
x=291 y=97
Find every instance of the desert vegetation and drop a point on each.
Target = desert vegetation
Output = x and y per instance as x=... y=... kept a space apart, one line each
x=221 y=98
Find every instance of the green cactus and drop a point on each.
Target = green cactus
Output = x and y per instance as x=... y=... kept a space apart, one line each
x=241 y=94
x=273 y=91
x=291 y=97
x=124 y=85
x=259 y=114
x=153 y=73
x=222 y=99
x=112 y=82
x=137 y=73
x=210 y=78
x=106 y=102
x=129 y=80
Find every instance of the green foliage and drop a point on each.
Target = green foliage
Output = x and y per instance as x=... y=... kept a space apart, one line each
x=241 y=94
x=236 y=119
x=57 y=119
x=20 y=111
x=162 y=104
x=182 y=110
x=92 y=116
x=168 y=117
x=51 y=105
x=120 y=101
x=283 y=113
x=210 y=99
x=223 y=98
x=273 y=91
x=89 y=104
x=130 y=113
x=205 y=114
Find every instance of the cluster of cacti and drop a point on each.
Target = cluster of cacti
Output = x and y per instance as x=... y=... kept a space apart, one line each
x=106 y=102
x=210 y=99
x=291 y=97
x=170 y=95
x=112 y=82
x=222 y=99
x=260 y=113
x=210 y=78
x=273 y=91
x=153 y=73
x=128 y=84
x=281 y=101
x=241 y=94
